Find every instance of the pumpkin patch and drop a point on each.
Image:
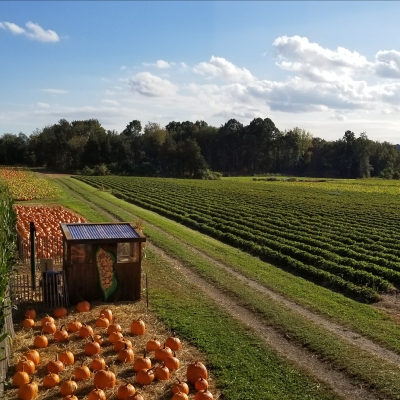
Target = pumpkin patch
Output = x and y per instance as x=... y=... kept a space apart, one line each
x=119 y=368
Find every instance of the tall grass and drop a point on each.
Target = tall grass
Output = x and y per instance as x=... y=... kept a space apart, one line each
x=8 y=242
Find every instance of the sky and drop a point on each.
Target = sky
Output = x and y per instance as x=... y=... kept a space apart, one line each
x=325 y=67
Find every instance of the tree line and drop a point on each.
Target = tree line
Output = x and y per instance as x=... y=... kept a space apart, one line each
x=195 y=149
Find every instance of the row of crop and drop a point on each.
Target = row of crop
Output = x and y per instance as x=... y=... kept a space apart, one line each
x=361 y=237
x=307 y=249
x=266 y=227
x=317 y=275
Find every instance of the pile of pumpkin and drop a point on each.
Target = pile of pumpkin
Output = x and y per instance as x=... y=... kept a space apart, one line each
x=160 y=367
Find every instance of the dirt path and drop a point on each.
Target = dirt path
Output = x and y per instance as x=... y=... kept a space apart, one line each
x=340 y=382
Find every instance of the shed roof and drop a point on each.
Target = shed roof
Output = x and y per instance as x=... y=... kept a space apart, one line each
x=87 y=231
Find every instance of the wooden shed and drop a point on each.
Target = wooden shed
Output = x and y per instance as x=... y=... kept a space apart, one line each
x=102 y=261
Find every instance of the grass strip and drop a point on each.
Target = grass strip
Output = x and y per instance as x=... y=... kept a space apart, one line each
x=356 y=316
x=243 y=365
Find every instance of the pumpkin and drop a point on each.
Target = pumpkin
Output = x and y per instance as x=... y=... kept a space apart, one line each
x=30 y=312
x=60 y=312
x=98 y=339
x=126 y=354
x=142 y=363
x=74 y=326
x=66 y=357
x=145 y=376
x=120 y=344
x=102 y=322
x=97 y=394
x=153 y=345
x=201 y=384
x=82 y=372
x=46 y=319
x=104 y=379
x=162 y=373
x=68 y=388
x=85 y=331
x=97 y=364
x=55 y=366
x=20 y=377
x=193 y=371
x=25 y=365
x=172 y=362
x=70 y=397
x=125 y=390
x=28 y=323
x=61 y=335
x=51 y=380
x=113 y=328
x=115 y=337
x=180 y=386
x=203 y=395
x=28 y=391
x=40 y=341
x=136 y=396
x=138 y=327
x=106 y=312
x=49 y=328
x=180 y=396
x=92 y=347
x=33 y=355
x=173 y=343
x=163 y=353
x=83 y=306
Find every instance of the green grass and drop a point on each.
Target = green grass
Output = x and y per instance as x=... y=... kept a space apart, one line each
x=379 y=374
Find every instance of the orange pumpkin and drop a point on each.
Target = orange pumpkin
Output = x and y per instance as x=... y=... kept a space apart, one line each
x=203 y=395
x=40 y=341
x=85 y=331
x=162 y=373
x=30 y=312
x=125 y=390
x=138 y=327
x=51 y=380
x=97 y=364
x=61 y=335
x=194 y=370
x=67 y=357
x=201 y=384
x=142 y=363
x=55 y=366
x=60 y=312
x=46 y=319
x=28 y=391
x=120 y=344
x=49 y=328
x=74 y=326
x=33 y=355
x=172 y=362
x=126 y=354
x=28 y=323
x=180 y=386
x=102 y=322
x=180 y=396
x=145 y=376
x=92 y=347
x=115 y=337
x=163 y=353
x=25 y=365
x=106 y=312
x=20 y=377
x=173 y=343
x=153 y=345
x=114 y=328
x=82 y=372
x=68 y=388
x=104 y=379
x=97 y=394
x=83 y=306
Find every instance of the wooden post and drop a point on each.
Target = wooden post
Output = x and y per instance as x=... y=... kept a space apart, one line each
x=32 y=235
x=147 y=293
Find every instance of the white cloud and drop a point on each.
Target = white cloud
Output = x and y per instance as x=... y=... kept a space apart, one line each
x=43 y=105
x=151 y=85
x=317 y=63
x=388 y=63
x=160 y=64
x=55 y=91
x=218 y=67
x=34 y=31
x=123 y=67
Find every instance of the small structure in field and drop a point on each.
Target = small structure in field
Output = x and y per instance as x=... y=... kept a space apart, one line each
x=102 y=261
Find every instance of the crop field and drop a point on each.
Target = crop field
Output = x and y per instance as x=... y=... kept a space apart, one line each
x=343 y=235
x=25 y=185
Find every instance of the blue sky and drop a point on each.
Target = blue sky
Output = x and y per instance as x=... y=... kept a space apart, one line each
x=325 y=67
